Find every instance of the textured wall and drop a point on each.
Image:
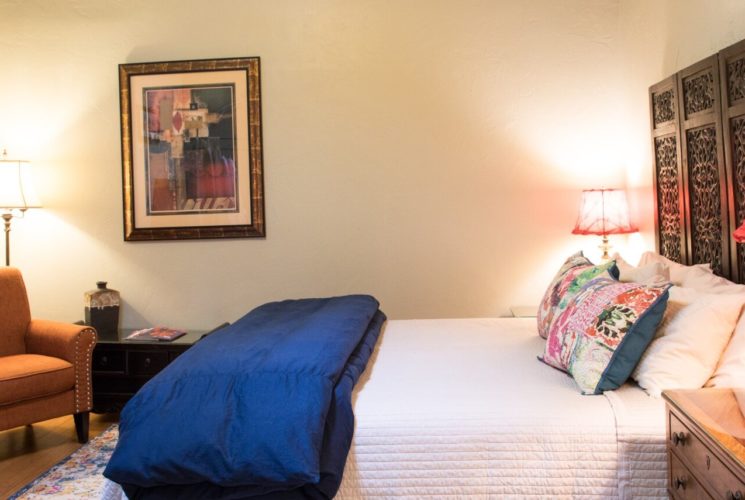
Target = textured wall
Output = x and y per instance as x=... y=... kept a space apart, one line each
x=428 y=152
x=658 y=39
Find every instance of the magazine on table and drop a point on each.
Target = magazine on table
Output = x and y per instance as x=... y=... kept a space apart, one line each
x=160 y=333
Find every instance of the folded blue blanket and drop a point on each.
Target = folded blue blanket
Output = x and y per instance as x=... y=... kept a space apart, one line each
x=262 y=407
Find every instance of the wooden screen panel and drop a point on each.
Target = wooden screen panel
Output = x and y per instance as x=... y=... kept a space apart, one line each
x=702 y=152
x=670 y=225
x=732 y=78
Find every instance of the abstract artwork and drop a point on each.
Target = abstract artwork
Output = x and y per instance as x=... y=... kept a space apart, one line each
x=191 y=149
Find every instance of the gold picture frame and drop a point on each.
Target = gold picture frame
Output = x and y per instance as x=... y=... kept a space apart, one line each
x=192 y=165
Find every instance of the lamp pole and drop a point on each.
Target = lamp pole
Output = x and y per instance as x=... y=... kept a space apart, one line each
x=6 y=218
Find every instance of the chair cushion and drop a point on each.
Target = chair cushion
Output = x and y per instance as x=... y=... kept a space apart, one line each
x=29 y=376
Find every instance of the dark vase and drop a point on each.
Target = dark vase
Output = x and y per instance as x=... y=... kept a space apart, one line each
x=102 y=310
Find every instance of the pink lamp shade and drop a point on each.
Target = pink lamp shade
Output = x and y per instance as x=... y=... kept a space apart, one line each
x=604 y=212
x=739 y=234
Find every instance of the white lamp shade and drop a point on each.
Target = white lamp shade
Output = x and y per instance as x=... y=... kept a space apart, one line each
x=16 y=186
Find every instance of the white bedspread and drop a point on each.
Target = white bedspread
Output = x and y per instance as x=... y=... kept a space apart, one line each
x=451 y=408
x=462 y=407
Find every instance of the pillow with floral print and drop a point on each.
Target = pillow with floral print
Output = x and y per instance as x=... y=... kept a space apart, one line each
x=575 y=271
x=603 y=330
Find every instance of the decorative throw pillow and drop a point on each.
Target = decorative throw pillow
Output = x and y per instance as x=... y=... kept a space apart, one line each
x=690 y=340
x=708 y=282
x=602 y=332
x=575 y=271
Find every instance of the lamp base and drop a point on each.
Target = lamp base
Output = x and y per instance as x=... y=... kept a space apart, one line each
x=605 y=246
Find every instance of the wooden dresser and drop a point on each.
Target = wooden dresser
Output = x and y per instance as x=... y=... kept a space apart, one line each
x=706 y=443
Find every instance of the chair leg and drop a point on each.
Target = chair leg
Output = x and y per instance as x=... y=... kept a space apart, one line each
x=81 y=426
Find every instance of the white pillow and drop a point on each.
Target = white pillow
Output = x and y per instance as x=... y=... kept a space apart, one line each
x=731 y=369
x=689 y=341
x=708 y=282
x=678 y=272
x=652 y=274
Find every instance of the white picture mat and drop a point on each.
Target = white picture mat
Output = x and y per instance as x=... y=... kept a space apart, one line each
x=243 y=195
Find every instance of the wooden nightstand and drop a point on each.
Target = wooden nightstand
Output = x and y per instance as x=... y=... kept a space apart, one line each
x=706 y=443
x=121 y=367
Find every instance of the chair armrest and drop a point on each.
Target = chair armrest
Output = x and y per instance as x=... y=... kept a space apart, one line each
x=74 y=344
x=60 y=340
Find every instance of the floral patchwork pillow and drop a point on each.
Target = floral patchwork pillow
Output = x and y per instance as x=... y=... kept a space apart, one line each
x=576 y=271
x=602 y=332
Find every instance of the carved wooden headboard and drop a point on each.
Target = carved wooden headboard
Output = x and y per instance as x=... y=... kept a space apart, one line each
x=698 y=140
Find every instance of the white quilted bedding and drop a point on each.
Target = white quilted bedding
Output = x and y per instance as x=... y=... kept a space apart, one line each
x=455 y=408
x=462 y=408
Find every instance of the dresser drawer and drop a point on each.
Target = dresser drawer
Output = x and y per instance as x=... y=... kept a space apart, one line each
x=108 y=361
x=681 y=483
x=146 y=363
x=700 y=458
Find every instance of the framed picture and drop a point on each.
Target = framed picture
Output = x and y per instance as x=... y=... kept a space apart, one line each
x=191 y=149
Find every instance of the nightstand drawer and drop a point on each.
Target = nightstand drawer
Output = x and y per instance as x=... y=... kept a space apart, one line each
x=700 y=458
x=682 y=485
x=146 y=363
x=108 y=361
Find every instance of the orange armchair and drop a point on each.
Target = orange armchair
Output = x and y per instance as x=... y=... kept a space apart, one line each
x=45 y=366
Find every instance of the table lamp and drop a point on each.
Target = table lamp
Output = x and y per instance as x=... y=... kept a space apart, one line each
x=739 y=234
x=17 y=194
x=603 y=212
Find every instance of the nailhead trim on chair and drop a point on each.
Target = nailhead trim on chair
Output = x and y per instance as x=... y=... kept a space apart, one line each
x=86 y=363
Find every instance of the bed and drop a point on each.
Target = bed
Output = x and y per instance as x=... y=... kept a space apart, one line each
x=462 y=408
x=465 y=408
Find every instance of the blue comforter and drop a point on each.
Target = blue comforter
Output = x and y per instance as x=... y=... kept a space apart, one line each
x=261 y=408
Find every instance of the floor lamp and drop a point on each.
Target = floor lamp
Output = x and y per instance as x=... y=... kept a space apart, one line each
x=17 y=194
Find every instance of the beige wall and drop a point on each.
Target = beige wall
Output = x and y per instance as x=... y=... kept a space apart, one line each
x=428 y=152
x=659 y=38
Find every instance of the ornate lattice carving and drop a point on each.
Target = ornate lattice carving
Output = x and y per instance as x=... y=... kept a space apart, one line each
x=738 y=169
x=698 y=93
x=736 y=80
x=663 y=104
x=705 y=197
x=668 y=197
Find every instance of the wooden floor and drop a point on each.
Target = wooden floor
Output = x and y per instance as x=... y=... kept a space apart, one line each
x=26 y=452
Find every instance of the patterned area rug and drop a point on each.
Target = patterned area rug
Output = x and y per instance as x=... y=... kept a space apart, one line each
x=78 y=476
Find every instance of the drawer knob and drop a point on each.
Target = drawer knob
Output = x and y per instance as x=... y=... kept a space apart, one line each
x=679 y=483
x=734 y=496
x=679 y=439
x=147 y=362
x=104 y=361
